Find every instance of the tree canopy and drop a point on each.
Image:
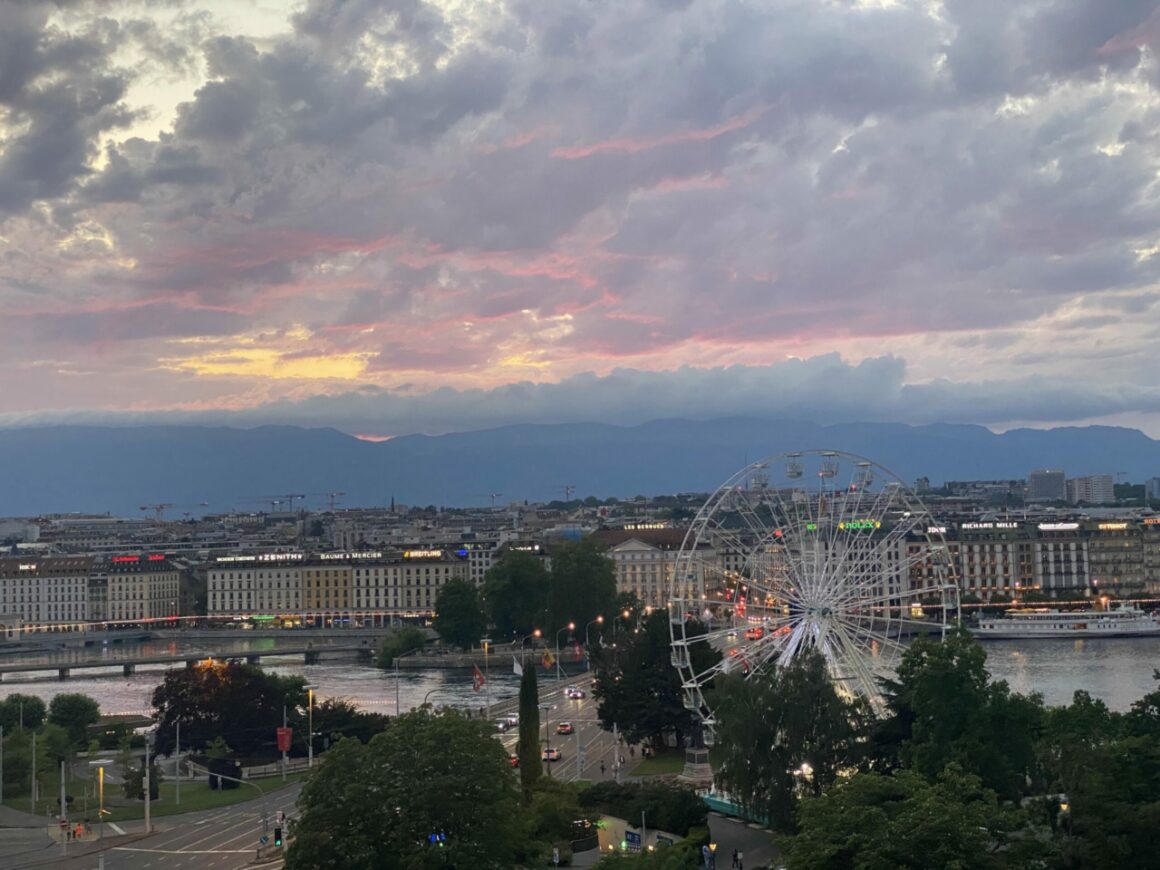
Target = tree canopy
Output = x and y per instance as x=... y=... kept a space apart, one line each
x=459 y=616
x=74 y=712
x=515 y=594
x=400 y=641
x=240 y=703
x=782 y=733
x=432 y=790
x=637 y=686
x=21 y=711
x=903 y=820
x=529 y=739
x=582 y=586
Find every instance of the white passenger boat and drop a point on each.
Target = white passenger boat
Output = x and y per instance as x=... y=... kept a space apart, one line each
x=1125 y=621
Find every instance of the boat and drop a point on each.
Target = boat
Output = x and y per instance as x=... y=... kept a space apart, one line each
x=1124 y=621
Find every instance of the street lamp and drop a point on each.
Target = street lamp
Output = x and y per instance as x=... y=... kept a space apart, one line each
x=310 y=726
x=546 y=762
x=571 y=626
x=599 y=620
x=100 y=765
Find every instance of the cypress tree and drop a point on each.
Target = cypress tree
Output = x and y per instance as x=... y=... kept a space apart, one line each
x=529 y=743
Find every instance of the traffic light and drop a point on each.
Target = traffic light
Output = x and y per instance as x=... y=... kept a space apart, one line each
x=277 y=836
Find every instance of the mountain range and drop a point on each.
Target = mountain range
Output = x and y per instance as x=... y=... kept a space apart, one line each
x=116 y=470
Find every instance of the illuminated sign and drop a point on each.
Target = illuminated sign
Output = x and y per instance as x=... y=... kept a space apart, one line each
x=156 y=557
x=526 y=548
x=860 y=524
x=27 y=566
x=422 y=554
x=262 y=557
x=125 y=559
x=811 y=527
x=363 y=554
x=988 y=525
x=1058 y=527
x=1152 y=521
x=1112 y=527
x=645 y=526
x=936 y=530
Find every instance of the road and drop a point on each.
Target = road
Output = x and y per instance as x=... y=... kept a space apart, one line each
x=223 y=839
x=590 y=744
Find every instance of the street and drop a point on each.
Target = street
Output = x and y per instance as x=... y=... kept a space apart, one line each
x=590 y=743
x=225 y=838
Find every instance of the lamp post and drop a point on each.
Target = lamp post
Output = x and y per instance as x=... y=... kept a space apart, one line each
x=599 y=620
x=486 y=642
x=100 y=764
x=310 y=727
x=547 y=764
x=571 y=626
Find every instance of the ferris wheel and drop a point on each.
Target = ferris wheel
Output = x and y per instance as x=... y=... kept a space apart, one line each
x=819 y=550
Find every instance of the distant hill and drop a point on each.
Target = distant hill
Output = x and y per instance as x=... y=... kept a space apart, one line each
x=115 y=470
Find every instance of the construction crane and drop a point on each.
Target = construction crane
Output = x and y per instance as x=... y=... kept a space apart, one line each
x=160 y=508
x=568 y=489
x=275 y=500
x=331 y=498
x=492 y=495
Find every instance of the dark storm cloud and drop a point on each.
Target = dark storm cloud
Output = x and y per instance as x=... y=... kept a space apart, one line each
x=594 y=183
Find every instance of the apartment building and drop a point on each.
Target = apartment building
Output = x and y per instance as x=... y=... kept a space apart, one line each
x=140 y=587
x=46 y=592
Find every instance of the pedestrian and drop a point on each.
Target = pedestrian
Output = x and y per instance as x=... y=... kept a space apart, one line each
x=734 y=859
x=740 y=861
x=602 y=768
x=632 y=751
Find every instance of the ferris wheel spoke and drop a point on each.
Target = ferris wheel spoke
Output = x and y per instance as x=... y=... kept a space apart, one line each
x=856 y=658
x=876 y=637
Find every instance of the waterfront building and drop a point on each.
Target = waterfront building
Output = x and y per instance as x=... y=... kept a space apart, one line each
x=46 y=592
x=140 y=588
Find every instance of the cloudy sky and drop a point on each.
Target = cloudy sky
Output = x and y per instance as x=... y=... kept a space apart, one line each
x=393 y=216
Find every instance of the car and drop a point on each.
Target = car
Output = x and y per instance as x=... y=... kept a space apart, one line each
x=550 y=754
x=575 y=693
x=565 y=728
x=514 y=760
x=755 y=633
x=507 y=723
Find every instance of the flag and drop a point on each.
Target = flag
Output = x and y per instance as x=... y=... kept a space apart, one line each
x=517 y=668
x=549 y=659
x=477 y=679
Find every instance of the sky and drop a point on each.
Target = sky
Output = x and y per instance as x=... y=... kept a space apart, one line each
x=444 y=215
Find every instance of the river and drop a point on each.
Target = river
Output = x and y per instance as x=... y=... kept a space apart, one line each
x=1118 y=671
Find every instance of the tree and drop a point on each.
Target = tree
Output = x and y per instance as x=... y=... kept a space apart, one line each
x=399 y=642
x=956 y=716
x=335 y=718
x=529 y=741
x=75 y=713
x=806 y=732
x=637 y=686
x=459 y=616
x=240 y=703
x=433 y=790
x=875 y=820
x=582 y=584
x=515 y=594
x=22 y=711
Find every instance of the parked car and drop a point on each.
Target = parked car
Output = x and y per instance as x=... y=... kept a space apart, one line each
x=565 y=728
x=514 y=760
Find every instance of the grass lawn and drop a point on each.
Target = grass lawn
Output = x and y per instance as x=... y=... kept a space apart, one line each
x=669 y=763
x=195 y=795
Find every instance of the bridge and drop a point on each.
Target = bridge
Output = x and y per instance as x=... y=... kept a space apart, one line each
x=311 y=655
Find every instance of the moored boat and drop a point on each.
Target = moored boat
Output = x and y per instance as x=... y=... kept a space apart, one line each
x=1124 y=621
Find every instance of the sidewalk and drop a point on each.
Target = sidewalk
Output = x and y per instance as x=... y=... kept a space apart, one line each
x=754 y=842
x=10 y=818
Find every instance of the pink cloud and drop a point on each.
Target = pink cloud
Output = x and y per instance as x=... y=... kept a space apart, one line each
x=632 y=146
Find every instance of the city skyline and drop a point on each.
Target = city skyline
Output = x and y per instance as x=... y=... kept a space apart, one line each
x=441 y=216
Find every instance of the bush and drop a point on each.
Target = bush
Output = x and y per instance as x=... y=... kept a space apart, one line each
x=667 y=807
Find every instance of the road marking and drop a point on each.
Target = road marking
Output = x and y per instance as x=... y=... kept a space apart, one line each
x=116 y=827
x=184 y=851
